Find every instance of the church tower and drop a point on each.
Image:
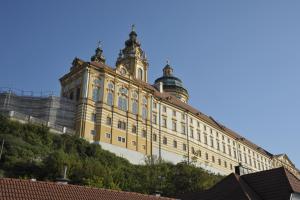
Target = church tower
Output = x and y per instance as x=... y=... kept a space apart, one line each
x=132 y=61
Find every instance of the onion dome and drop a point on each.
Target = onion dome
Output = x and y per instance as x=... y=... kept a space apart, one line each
x=98 y=57
x=172 y=84
x=132 y=41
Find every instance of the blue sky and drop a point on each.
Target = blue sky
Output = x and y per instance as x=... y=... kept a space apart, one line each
x=239 y=59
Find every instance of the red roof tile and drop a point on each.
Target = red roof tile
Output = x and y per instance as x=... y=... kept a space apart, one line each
x=12 y=189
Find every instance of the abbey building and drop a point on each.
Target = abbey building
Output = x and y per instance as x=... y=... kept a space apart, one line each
x=118 y=108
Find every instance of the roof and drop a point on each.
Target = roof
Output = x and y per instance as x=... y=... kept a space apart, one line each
x=12 y=189
x=275 y=184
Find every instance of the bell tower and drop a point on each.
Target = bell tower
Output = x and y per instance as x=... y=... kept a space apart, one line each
x=132 y=60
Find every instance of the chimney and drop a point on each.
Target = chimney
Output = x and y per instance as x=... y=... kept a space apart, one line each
x=64 y=180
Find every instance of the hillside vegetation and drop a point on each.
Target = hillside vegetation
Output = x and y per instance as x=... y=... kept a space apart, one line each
x=31 y=151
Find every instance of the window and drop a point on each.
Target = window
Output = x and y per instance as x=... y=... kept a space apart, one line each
x=122 y=102
x=225 y=164
x=206 y=156
x=154 y=119
x=154 y=105
x=93 y=132
x=140 y=74
x=234 y=153
x=205 y=138
x=108 y=135
x=183 y=128
x=219 y=161
x=218 y=145
x=193 y=150
x=94 y=117
x=191 y=120
x=121 y=139
x=192 y=132
x=121 y=125
x=96 y=94
x=211 y=141
x=174 y=113
x=229 y=150
x=211 y=131
x=144 y=133
x=144 y=109
x=108 y=120
x=133 y=130
x=154 y=137
x=183 y=116
x=204 y=127
x=231 y=166
x=110 y=94
x=213 y=159
x=165 y=140
x=164 y=109
x=174 y=126
x=134 y=107
x=110 y=98
x=184 y=147
x=175 y=144
x=164 y=124
x=199 y=136
x=224 y=147
x=198 y=124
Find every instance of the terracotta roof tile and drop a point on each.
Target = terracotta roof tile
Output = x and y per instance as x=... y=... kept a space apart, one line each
x=12 y=189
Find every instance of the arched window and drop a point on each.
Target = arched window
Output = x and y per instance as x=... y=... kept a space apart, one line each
x=96 y=94
x=123 y=102
x=144 y=108
x=140 y=74
x=110 y=94
x=135 y=102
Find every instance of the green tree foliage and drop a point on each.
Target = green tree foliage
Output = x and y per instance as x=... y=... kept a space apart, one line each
x=31 y=151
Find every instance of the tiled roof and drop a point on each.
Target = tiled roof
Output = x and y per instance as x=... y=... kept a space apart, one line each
x=18 y=189
x=274 y=184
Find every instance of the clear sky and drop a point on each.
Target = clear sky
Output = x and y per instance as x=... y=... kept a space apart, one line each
x=239 y=59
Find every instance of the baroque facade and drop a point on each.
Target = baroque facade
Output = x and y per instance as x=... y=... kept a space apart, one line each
x=118 y=108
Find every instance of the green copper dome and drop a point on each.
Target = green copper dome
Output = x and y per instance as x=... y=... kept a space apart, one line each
x=172 y=84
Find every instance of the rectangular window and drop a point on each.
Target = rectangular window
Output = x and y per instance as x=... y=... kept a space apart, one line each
x=174 y=126
x=108 y=120
x=133 y=129
x=193 y=150
x=154 y=105
x=198 y=124
x=218 y=145
x=93 y=132
x=219 y=161
x=154 y=119
x=183 y=116
x=191 y=120
x=174 y=113
x=165 y=140
x=225 y=164
x=192 y=132
x=175 y=144
x=164 y=124
x=108 y=135
x=184 y=147
x=199 y=136
x=183 y=128
x=122 y=125
x=213 y=159
x=144 y=134
x=205 y=138
x=164 y=109
x=229 y=150
x=224 y=148
x=211 y=142
x=154 y=137
x=206 y=156
x=121 y=139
